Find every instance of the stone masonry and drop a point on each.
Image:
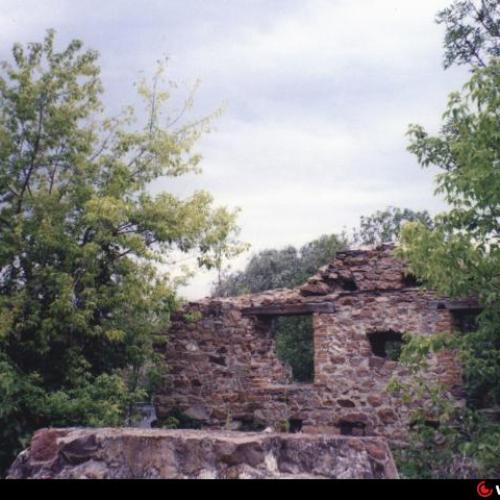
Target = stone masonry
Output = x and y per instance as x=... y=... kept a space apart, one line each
x=189 y=454
x=224 y=373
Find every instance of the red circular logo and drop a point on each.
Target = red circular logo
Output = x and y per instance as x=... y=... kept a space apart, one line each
x=483 y=490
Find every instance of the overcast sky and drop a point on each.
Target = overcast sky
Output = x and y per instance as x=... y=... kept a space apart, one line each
x=318 y=95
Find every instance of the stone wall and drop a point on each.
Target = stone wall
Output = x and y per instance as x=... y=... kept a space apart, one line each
x=224 y=372
x=188 y=454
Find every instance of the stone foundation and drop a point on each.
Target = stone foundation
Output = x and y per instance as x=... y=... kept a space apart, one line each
x=185 y=454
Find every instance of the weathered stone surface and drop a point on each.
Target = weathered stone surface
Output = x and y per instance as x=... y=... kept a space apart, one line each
x=354 y=300
x=180 y=454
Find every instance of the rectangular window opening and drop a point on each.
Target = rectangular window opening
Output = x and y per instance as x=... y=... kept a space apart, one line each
x=386 y=344
x=348 y=428
x=294 y=344
x=466 y=321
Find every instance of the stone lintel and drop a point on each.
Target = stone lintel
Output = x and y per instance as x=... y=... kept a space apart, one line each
x=463 y=306
x=289 y=309
x=458 y=305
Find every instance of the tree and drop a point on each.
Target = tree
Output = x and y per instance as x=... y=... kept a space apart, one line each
x=384 y=226
x=284 y=268
x=223 y=242
x=82 y=301
x=460 y=255
x=472 y=32
x=267 y=270
x=318 y=253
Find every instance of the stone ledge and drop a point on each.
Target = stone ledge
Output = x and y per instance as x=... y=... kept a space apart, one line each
x=113 y=453
x=289 y=309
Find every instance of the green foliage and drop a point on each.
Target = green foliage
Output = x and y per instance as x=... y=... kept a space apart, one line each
x=283 y=426
x=465 y=448
x=472 y=32
x=26 y=405
x=285 y=268
x=295 y=345
x=223 y=242
x=384 y=226
x=460 y=255
x=193 y=317
x=446 y=440
x=268 y=270
x=393 y=350
x=318 y=253
x=82 y=301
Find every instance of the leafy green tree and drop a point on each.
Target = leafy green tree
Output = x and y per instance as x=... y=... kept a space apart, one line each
x=472 y=32
x=460 y=255
x=445 y=441
x=384 y=226
x=318 y=253
x=285 y=268
x=267 y=270
x=81 y=298
x=223 y=241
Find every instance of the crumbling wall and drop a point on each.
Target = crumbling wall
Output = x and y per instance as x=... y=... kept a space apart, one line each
x=224 y=372
x=187 y=454
x=217 y=358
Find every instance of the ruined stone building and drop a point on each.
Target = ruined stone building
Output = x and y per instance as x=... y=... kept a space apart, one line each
x=224 y=372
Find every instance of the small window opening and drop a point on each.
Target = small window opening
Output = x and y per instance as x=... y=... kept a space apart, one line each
x=379 y=470
x=218 y=360
x=466 y=321
x=177 y=419
x=386 y=345
x=410 y=280
x=433 y=424
x=351 y=428
x=294 y=425
x=348 y=284
x=250 y=425
x=294 y=340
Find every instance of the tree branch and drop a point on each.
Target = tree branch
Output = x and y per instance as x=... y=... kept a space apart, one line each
x=33 y=158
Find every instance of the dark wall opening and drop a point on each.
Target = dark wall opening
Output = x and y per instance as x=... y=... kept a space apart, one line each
x=348 y=284
x=410 y=280
x=466 y=321
x=386 y=344
x=295 y=425
x=348 y=428
x=294 y=339
x=250 y=425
